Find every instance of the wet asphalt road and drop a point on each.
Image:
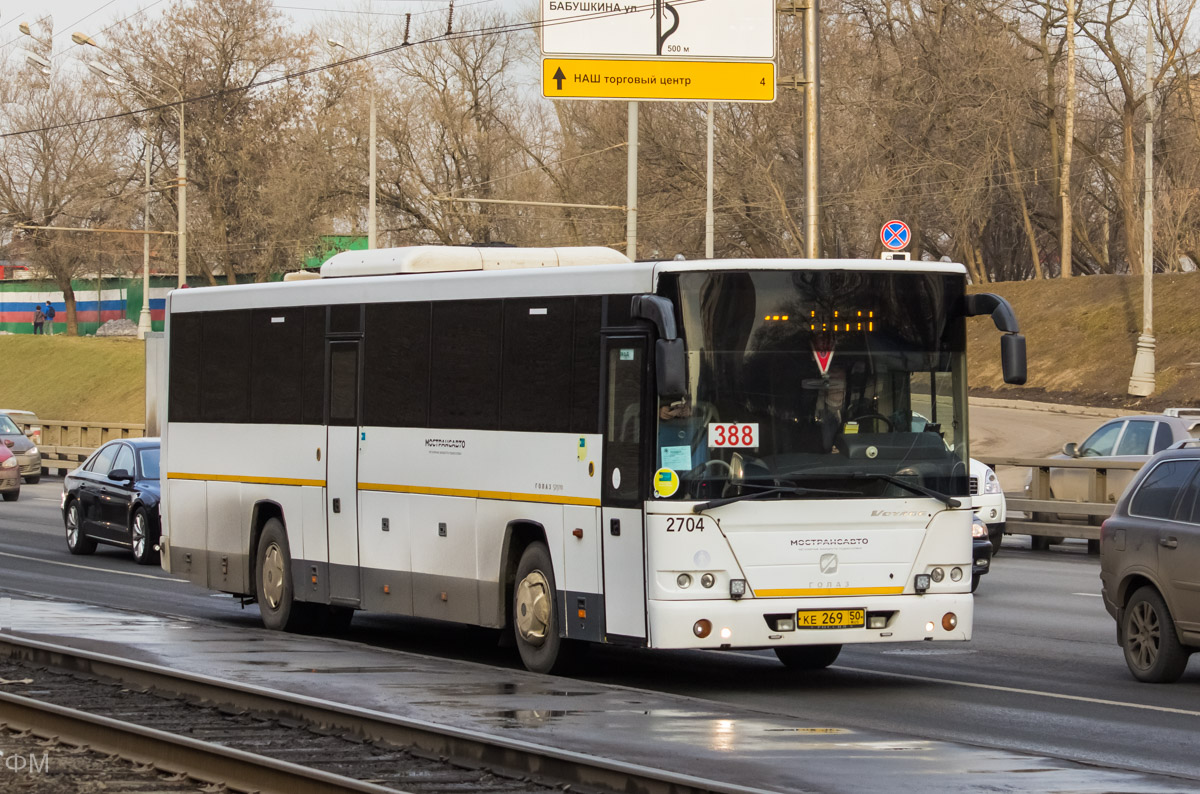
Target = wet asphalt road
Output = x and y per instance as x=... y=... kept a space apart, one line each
x=1042 y=675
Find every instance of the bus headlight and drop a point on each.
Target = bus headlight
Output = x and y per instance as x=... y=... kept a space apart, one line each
x=737 y=588
x=707 y=580
x=684 y=580
x=937 y=574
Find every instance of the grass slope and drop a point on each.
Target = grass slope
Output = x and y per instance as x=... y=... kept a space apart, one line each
x=1082 y=335
x=82 y=379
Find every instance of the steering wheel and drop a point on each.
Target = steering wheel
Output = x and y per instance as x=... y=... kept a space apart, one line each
x=716 y=463
x=886 y=421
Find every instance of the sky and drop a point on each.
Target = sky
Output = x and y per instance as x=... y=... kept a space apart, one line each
x=93 y=16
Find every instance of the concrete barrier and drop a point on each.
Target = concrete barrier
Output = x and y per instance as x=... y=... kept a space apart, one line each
x=1047 y=518
x=64 y=445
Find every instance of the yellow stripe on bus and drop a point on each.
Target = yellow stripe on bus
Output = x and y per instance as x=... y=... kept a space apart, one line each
x=250 y=480
x=829 y=591
x=413 y=489
x=475 y=494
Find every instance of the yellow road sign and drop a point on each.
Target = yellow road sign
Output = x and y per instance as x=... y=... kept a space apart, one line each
x=714 y=81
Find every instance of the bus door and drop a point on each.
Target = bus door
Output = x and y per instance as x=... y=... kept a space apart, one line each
x=341 y=471
x=624 y=488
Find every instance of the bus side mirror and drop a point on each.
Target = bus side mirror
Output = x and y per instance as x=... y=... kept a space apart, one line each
x=1012 y=358
x=670 y=364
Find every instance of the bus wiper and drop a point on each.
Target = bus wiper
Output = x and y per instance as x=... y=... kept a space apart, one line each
x=949 y=501
x=700 y=508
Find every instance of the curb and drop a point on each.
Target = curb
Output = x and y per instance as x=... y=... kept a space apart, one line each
x=1055 y=408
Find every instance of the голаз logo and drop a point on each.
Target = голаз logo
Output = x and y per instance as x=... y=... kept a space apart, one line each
x=829 y=563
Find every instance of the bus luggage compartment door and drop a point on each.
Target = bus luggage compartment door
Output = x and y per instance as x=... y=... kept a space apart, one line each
x=341 y=474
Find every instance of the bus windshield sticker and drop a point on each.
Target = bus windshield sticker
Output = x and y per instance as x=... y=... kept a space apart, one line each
x=666 y=482
x=679 y=458
x=582 y=449
x=627 y=354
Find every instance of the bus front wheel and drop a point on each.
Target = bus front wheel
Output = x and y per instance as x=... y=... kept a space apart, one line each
x=808 y=657
x=273 y=581
x=535 y=617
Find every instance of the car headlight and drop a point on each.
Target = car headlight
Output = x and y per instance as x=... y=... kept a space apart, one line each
x=978 y=529
x=32 y=451
x=11 y=463
x=991 y=483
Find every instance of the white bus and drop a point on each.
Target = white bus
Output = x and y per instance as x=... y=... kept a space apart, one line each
x=709 y=454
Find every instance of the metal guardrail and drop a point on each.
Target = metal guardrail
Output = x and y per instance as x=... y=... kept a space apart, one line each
x=1048 y=517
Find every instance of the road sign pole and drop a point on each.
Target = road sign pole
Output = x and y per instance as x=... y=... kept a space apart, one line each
x=709 y=220
x=812 y=132
x=631 y=185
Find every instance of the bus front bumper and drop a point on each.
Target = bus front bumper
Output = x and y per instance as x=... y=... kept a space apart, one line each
x=754 y=622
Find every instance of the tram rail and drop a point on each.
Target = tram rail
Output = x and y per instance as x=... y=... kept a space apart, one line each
x=555 y=767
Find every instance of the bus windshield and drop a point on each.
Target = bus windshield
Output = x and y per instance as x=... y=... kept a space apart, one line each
x=837 y=382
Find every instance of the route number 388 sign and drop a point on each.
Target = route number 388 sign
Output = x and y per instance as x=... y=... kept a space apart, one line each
x=721 y=435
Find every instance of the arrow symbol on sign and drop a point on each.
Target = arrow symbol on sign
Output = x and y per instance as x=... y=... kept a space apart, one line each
x=559 y=77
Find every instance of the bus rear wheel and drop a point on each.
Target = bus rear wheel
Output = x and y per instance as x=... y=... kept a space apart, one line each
x=535 y=616
x=808 y=657
x=273 y=582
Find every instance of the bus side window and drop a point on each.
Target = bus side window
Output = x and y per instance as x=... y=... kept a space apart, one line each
x=465 y=378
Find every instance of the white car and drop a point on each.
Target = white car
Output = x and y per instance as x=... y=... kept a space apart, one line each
x=987 y=498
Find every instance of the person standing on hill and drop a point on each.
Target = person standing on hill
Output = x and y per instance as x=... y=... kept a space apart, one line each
x=38 y=319
x=49 y=313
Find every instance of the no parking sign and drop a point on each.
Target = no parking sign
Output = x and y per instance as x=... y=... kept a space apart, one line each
x=895 y=235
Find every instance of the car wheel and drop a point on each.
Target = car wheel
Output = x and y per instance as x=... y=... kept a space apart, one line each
x=1040 y=542
x=141 y=538
x=535 y=617
x=808 y=657
x=1152 y=648
x=996 y=536
x=273 y=583
x=12 y=496
x=77 y=542
x=34 y=480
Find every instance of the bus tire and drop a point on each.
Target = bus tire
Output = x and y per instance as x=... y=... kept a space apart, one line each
x=273 y=582
x=535 y=617
x=808 y=657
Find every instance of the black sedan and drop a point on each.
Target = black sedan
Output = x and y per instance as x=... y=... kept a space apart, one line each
x=113 y=498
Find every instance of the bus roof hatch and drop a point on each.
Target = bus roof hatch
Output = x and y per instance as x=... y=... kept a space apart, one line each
x=445 y=258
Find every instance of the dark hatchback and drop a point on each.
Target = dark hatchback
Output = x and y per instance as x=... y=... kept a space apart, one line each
x=1150 y=565
x=113 y=498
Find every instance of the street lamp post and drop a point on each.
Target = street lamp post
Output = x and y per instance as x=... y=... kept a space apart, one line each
x=86 y=40
x=372 y=239
x=1141 y=382
x=145 y=324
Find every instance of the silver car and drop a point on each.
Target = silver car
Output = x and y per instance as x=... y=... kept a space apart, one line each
x=1128 y=438
x=29 y=459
